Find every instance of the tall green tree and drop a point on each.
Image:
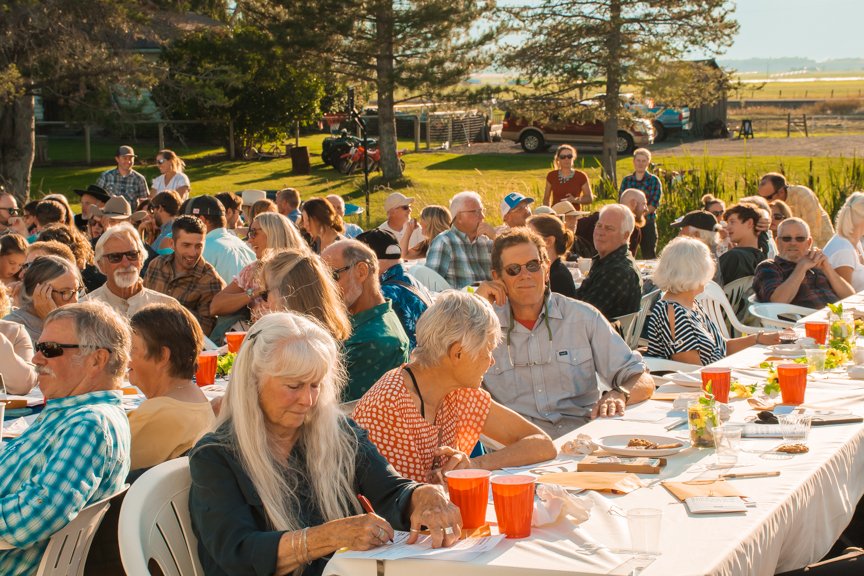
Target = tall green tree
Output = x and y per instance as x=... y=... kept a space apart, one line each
x=420 y=46
x=565 y=47
x=245 y=75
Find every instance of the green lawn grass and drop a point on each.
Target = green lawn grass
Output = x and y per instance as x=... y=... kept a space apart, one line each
x=433 y=177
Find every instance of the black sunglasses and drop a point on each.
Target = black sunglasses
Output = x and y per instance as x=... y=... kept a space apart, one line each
x=12 y=211
x=117 y=257
x=339 y=271
x=514 y=269
x=779 y=217
x=792 y=238
x=53 y=349
x=565 y=157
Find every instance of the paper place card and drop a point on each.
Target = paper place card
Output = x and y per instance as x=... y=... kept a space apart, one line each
x=462 y=551
x=715 y=504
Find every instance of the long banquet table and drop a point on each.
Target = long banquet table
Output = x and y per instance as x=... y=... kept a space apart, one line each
x=796 y=519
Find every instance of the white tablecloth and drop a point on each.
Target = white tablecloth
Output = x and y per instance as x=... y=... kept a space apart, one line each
x=799 y=515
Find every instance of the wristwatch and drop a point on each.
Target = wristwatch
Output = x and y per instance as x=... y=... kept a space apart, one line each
x=622 y=391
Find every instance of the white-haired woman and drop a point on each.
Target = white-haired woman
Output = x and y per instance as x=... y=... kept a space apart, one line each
x=844 y=250
x=427 y=416
x=679 y=329
x=269 y=233
x=274 y=487
x=171 y=176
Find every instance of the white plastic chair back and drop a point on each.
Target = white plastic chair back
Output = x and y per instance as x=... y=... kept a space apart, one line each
x=645 y=307
x=628 y=329
x=66 y=554
x=778 y=315
x=429 y=278
x=720 y=312
x=737 y=292
x=155 y=523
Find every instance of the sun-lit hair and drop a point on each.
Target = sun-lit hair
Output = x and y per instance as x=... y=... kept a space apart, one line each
x=789 y=222
x=457 y=202
x=293 y=347
x=98 y=326
x=558 y=151
x=685 y=264
x=123 y=229
x=174 y=161
x=45 y=269
x=435 y=219
x=642 y=152
x=549 y=225
x=850 y=216
x=514 y=237
x=628 y=220
x=280 y=232
x=455 y=317
x=71 y=237
x=300 y=281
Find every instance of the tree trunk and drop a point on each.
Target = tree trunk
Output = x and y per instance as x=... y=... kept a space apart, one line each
x=385 y=83
x=613 y=87
x=17 y=146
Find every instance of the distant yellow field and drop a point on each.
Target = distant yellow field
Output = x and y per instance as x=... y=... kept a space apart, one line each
x=818 y=85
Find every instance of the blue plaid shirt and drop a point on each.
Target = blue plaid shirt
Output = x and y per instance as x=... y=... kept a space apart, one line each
x=132 y=187
x=650 y=185
x=459 y=260
x=76 y=453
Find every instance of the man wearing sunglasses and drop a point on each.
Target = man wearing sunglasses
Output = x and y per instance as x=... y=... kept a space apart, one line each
x=800 y=274
x=10 y=216
x=77 y=451
x=803 y=203
x=555 y=349
x=378 y=341
x=120 y=255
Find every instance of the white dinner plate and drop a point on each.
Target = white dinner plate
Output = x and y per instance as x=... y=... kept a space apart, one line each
x=786 y=350
x=690 y=380
x=617 y=445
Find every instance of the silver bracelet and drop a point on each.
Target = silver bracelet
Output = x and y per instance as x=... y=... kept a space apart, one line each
x=305 y=547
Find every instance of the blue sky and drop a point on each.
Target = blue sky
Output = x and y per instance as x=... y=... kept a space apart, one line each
x=817 y=29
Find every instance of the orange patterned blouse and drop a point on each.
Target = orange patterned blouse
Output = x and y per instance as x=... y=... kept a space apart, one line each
x=405 y=438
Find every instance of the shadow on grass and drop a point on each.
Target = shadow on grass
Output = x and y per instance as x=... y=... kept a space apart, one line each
x=506 y=162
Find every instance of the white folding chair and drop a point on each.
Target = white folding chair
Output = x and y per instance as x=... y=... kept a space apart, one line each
x=646 y=304
x=778 y=315
x=429 y=278
x=737 y=292
x=719 y=310
x=155 y=523
x=628 y=324
x=66 y=554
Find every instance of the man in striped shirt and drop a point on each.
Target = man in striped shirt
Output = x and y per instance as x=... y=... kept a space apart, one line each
x=77 y=451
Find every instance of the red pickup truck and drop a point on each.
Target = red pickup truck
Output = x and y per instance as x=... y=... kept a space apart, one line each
x=536 y=137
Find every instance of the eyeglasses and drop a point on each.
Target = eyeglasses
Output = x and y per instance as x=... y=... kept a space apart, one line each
x=798 y=239
x=717 y=213
x=515 y=269
x=53 y=349
x=339 y=271
x=779 y=217
x=406 y=207
x=160 y=161
x=565 y=157
x=252 y=233
x=117 y=257
x=12 y=211
x=67 y=294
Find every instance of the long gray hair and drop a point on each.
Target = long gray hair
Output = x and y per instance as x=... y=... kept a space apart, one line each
x=294 y=347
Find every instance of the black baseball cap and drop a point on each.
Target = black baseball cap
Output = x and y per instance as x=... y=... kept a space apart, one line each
x=382 y=242
x=96 y=191
x=205 y=206
x=698 y=219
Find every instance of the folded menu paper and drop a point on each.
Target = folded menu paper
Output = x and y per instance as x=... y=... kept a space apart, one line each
x=702 y=488
x=462 y=551
x=613 y=482
x=715 y=504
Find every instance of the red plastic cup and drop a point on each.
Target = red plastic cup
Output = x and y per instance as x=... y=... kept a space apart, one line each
x=234 y=340
x=469 y=491
x=721 y=382
x=206 y=373
x=817 y=329
x=514 y=504
x=793 y=382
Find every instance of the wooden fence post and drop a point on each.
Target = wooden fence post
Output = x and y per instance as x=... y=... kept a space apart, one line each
x=87 y=143
x=161 y=130
x=231 y=152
